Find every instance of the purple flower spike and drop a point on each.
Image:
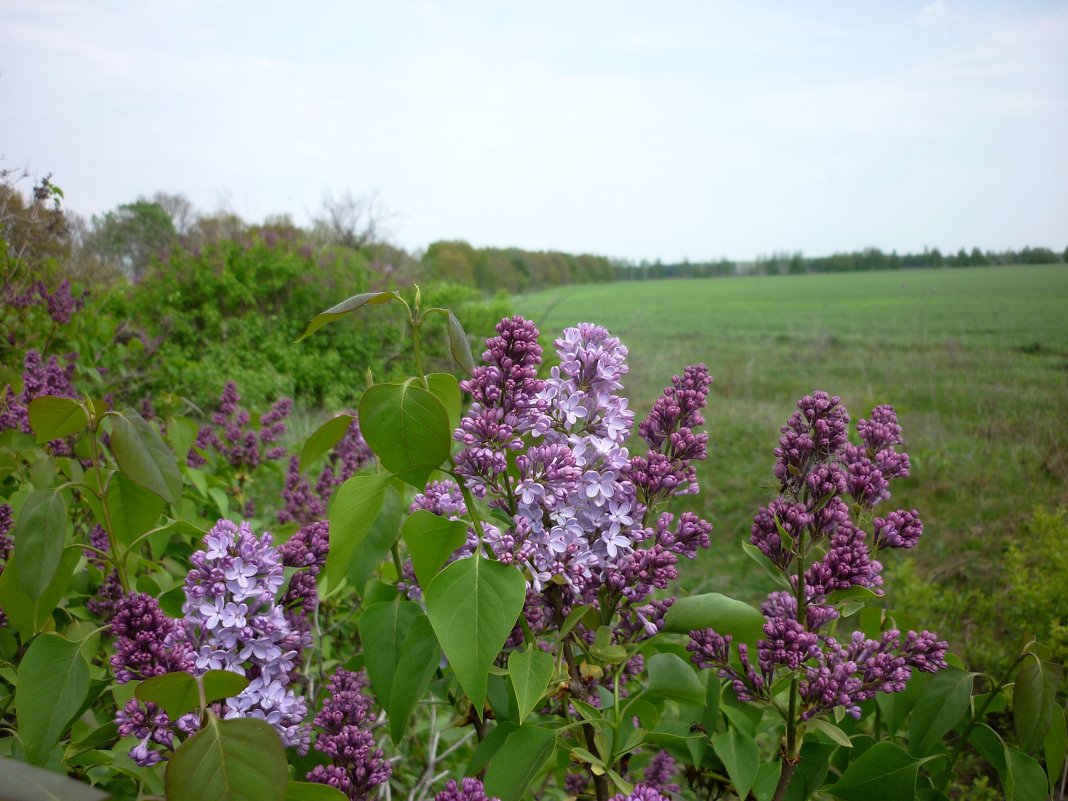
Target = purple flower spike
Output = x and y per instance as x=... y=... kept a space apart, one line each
x=357 y=765
x=467 y=790
x=899 y=529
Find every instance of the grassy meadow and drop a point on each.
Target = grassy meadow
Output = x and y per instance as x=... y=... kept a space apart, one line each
x=975 y=360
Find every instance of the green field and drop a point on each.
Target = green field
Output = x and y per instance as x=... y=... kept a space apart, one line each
x=975 y=361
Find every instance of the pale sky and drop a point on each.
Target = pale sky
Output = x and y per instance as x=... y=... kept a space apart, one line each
x=633 y=129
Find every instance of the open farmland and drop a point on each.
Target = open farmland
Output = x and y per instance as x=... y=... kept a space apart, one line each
x=975 y=361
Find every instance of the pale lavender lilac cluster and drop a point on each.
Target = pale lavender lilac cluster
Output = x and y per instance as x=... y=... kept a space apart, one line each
x=234 y=623
x=579 y=500
x=231 y=623
x=817 y=467
x=357 y=765
x=232 y=435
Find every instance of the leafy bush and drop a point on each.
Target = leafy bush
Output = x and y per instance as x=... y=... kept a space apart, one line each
x=481 y=613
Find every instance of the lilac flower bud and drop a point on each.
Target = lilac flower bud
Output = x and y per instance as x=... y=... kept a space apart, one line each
x=864 y=481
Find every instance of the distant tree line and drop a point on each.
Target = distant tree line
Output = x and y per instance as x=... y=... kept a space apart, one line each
x=126 y=243
x=796 y=263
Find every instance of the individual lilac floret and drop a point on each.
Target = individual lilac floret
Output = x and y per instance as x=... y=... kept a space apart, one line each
x=357 y=765
x=898 y=529
x=233 y=622
x=641 y=792
x=467 y=790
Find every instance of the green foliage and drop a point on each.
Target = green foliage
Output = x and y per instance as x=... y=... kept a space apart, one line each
x=473 y=605
x=229 y=760
x=407 y=428
x=178 y=693
x=53 y=682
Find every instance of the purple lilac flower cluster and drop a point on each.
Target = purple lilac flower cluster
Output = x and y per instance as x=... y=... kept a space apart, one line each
x=302 y=503
x=466 y=790
x=817 y=466
x=61 y=304
x=641 y=792
x=307 y=551
x=356 y=766
x=577 y=500
x=232 y=435
x=231 y=623
x=39 y=377
x=7 y=544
